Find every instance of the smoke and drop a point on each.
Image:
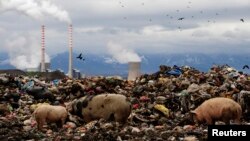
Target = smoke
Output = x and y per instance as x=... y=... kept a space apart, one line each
x=37 y=9
x=120 y=54
x=24 y=52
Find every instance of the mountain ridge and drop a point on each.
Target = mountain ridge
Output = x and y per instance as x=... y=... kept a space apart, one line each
x=96 y=64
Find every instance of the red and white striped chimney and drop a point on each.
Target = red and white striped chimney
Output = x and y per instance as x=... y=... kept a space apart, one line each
x=43 y=50
x=70 y=75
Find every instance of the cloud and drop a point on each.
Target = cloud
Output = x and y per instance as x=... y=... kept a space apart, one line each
x=156 y=38
x=2 y=30
x=153 y=29
x=89 y=29
x=24 y=52
x=97 y=22
x=120 y=54
x=53 y=10
x=36 y=9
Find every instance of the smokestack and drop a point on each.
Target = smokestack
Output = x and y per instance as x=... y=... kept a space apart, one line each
x=134 y=70
x=43 y=50
x=70 y=51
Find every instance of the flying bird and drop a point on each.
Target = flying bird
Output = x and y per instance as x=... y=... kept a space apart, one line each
x=80 y=57
x=181 y=18
x=245 y=66
x=242 y=20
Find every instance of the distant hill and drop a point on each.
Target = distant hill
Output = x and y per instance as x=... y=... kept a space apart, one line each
x=4 y=56
x=92 y=65
x=96 y=65
x=14 y=72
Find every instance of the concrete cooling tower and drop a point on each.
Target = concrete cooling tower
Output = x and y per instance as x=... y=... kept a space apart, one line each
x=134 y=70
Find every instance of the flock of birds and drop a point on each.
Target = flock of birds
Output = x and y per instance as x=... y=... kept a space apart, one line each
x=178 y=11
x=80 y=57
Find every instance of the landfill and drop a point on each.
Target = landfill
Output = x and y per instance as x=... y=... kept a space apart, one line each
x=161 y=104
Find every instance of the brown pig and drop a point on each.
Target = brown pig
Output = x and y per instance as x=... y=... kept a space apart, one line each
x=218 y=109
x=107 y=106
x=49 y=113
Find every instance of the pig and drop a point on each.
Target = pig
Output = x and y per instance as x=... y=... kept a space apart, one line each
x=115 y=107
x=50 y=114
x=34 y=106
x=217 y=109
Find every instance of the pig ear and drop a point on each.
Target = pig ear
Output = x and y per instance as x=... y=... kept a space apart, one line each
x=193 y=112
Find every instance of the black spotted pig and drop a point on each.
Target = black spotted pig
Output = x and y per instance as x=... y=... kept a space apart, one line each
x=107 y=106
x=218 y=109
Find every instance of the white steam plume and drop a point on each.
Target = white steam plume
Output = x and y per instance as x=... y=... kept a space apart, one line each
x=121 y=54
x=37 y=9
x=23 y=52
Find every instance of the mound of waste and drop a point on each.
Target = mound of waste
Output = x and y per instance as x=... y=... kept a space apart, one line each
x=161 y=104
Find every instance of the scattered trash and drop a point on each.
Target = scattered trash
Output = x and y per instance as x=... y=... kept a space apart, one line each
x=163 y=109
x=161 y=104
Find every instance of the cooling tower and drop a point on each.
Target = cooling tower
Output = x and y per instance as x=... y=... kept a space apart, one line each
x=70 y=52
x=134 y=70
x=43 y=50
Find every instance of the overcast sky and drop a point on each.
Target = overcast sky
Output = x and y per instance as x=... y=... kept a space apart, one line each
x=139 y=26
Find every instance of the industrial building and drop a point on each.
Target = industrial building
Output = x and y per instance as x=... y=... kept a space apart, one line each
x=45 y=67
x=133 y=70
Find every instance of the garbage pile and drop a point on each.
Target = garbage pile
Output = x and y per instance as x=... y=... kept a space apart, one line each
x=161 y=104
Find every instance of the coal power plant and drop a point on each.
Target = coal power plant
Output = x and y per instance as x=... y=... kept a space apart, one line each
x=133 y=69
x=45 y=66
x=42 y=64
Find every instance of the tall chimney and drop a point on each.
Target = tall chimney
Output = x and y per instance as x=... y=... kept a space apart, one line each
x=134 y=70
x=70 y=52
x=43 y=50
